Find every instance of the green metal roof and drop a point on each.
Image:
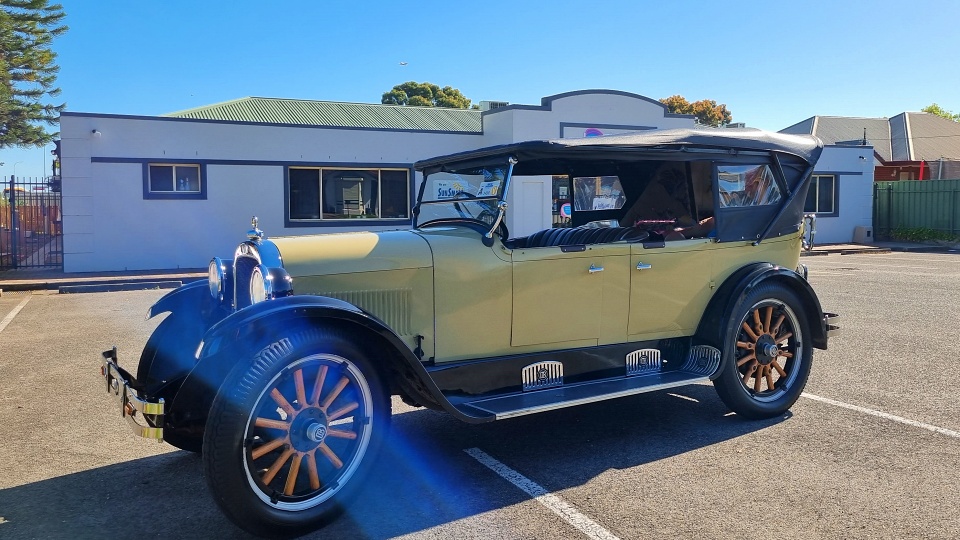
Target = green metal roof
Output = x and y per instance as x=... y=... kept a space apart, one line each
x=336 y=114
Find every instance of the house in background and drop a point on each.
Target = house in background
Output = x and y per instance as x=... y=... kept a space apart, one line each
x=170 y=191
x=154 y=192
x=908 y=146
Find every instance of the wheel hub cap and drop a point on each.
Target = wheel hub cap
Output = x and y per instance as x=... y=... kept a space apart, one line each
x=309 y=429
x=316 y=432
x=767 y=350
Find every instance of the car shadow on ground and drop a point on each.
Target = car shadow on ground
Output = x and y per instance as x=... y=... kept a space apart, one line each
x=423 y=478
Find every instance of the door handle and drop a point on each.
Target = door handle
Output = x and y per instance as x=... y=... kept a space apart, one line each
x=643 y=266
x=594 y=269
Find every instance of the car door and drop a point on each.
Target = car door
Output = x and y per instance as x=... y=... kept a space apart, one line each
x=570 y=295
x=670 y=286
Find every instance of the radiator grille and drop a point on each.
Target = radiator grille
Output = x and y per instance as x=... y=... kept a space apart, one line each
x=242 y=270
x=392 y=306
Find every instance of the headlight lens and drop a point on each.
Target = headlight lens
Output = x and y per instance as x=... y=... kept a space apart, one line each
x=261 y=285
x=215 y=278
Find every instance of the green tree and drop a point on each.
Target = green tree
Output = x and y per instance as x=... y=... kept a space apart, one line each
x=706 y=110
x=933 y=108
x=425 y=94
x=28 y=71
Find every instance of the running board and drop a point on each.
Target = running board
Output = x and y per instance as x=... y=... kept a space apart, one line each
x=576 y=394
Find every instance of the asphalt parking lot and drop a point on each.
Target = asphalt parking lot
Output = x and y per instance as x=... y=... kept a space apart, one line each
x=871 y=451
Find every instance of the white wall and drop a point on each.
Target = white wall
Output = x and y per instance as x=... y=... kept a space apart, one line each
x=853 y=167
x=108 y=225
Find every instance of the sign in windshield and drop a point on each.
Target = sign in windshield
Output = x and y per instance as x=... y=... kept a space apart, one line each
x=470 y=194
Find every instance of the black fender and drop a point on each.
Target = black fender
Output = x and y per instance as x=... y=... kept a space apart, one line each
x=717 y=321
x=167 y=356
x=186 y=296
x=222 y=347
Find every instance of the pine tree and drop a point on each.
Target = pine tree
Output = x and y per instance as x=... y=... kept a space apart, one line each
x=28 y=71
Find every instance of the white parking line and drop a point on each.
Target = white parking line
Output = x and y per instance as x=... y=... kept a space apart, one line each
x=887 y=416
x=557 y=505
x=6 y=320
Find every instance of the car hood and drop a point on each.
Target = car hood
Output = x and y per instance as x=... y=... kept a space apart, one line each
x=345 y=253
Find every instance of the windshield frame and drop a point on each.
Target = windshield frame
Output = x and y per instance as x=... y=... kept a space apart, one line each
x=498 y=207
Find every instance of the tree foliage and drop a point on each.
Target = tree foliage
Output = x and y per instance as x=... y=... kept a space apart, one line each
x=706 y=110
x=425 y=94
x=28 y=71
x=933 y=108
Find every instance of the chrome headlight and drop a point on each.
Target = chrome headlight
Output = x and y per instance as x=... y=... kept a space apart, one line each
x=215 y=273
x=261 y=285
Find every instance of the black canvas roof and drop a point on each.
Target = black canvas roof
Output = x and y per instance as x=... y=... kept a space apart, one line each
x=806 y=147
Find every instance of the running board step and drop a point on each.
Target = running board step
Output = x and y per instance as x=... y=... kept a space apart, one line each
x=576 y=394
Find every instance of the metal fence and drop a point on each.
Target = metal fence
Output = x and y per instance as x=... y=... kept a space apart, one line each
x=927 y=204
x=31 y=227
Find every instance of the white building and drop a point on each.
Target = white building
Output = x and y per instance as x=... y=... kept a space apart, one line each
x=158 y=192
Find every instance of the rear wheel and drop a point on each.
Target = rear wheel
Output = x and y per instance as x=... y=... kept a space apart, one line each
x=767 y=355
x=293 y=432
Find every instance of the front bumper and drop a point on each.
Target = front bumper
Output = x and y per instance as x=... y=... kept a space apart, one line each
x=131 y=405
x=830 y=321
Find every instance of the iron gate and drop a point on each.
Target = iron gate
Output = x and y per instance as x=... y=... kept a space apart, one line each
x=31 y=226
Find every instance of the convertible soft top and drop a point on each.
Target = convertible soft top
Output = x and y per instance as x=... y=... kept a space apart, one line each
x=635 y=145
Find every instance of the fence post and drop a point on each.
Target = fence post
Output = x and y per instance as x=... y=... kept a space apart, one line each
x=14 y=224
x=890 y=212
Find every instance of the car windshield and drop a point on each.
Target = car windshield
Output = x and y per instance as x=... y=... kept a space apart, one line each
x=469 y=193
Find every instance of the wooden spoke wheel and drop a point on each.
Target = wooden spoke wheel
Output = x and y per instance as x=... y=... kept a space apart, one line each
x=766 y=358
x=293 y=432
x=768 y=341
x=308 y=432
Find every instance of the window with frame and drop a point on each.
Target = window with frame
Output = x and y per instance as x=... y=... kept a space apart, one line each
x=173 y=178
x=597 y=193
x=822 y=197
x=328 y=193
x=746 y=185
x=174 y=181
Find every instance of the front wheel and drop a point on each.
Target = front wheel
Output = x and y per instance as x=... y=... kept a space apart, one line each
x=767 y=354
x=292 y=433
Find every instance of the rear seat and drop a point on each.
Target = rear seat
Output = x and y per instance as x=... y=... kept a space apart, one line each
x=579 y=236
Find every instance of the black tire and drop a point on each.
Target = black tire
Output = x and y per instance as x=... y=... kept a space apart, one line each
x=767 y=353
x=166 y=359
x=255 y=442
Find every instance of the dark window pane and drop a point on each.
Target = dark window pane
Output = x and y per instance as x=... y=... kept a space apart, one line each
x=188 y=178
x=394 y=194
x=811 y=203
x=161 y=178
x=304 y=194
x=825 y=201
x=349 y=194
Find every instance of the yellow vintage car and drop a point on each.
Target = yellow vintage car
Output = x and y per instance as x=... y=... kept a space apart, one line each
x=680 y=265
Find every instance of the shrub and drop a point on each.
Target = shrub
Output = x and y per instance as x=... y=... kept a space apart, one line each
x=923 y=234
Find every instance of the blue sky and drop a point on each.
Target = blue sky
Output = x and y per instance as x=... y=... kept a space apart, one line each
x=773 y=63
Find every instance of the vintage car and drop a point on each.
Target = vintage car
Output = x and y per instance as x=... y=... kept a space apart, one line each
x=679 y=265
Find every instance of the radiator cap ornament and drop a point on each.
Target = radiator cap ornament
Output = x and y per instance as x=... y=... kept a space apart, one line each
x=255 y=233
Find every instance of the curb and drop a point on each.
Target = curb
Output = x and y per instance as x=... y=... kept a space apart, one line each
x=118 y=281
x=859 y=251
x=930 y=249
x=113 y=287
